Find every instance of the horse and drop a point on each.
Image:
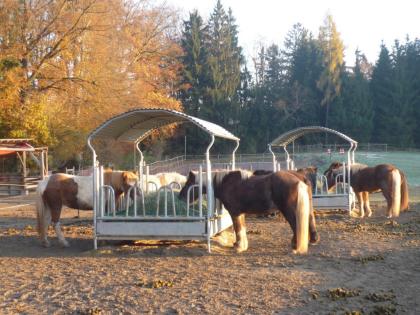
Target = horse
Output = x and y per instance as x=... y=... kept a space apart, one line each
x=308 y=176
x=153 y=183
x=242 y=193
x=364 y=180
x=73 y=191
x=171 y=177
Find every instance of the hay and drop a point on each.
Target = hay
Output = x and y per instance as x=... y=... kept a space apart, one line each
x=150 y=205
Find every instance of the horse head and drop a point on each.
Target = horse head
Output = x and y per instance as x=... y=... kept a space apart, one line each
x=331 y=173
x=310 y=173
x=192 y=179
x=129 y=179
x=216 y=178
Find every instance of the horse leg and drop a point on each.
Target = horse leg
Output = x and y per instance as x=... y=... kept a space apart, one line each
x=43 y=228
x=55 y=213
x=241 y=243
x=359 y=196
x=313 y=234
x=387 y=194
x=290 y=217
x=367 y=204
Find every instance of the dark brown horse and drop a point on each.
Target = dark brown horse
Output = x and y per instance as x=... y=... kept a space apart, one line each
x=76 y=192
x=308 y=176
x=241 y=193
x=364 y=180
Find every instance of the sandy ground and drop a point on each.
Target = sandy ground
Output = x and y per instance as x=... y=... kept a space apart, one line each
x=360 y=267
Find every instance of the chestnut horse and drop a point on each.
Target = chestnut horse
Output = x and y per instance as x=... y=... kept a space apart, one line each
x=242 y=193
x=76 y=192
x=364 y=180
x=308 y=176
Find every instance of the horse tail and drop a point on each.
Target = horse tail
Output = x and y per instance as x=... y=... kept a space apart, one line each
x=404 y=192
x=396 y=193
x=43 y=212
x=302 y=218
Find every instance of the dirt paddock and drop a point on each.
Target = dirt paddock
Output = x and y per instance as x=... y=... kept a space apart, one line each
x=366 y=266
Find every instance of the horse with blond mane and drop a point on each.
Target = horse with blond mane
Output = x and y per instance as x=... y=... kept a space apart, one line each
x=364 y=180
x=243 y=193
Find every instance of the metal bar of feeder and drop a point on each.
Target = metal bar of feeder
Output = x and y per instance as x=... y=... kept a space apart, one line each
x=200 y=190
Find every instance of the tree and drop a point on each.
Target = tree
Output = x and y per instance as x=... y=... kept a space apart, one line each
x=404 y=96
x=303 y=66
x=76 y=63
x=223 y=67
x=381 y=88
x=352 y=112
x=332 y=54
x=193 y=60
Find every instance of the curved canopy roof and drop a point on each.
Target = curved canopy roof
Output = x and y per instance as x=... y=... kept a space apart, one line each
x=137 y=124
x=292 y=135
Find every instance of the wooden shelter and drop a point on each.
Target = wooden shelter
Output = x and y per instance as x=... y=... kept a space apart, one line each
x=21 y=166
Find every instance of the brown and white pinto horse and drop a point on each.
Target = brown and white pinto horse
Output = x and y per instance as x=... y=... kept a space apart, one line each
x=364 y=180
x=242 y=193
x=76 y=192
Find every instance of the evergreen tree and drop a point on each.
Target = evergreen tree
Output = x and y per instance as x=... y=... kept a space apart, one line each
x=413 y=60
x=193 y=77
x=381 y=90
x=352 y=112
x=404 y=97
x=194 y=58
x=302 y=62
x=223 y=68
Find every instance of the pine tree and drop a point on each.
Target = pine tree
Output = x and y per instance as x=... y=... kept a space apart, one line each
x=193 y=77
x=352 y=112
x=223 y=67
x=302 y=62
x=404 y=97
x=381 y=90
x=193 y=60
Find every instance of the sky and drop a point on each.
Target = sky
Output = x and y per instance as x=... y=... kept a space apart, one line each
x=362 y=24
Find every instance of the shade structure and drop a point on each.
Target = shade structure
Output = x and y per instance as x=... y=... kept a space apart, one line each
x=11 y=146
x=292 y=135
x=137 y=124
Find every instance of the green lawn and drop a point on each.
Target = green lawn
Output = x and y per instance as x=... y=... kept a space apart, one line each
x=409 y=162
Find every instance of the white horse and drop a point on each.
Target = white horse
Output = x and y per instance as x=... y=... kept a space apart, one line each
x=171 y=177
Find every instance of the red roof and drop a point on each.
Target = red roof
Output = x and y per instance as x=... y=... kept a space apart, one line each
x=11 y=146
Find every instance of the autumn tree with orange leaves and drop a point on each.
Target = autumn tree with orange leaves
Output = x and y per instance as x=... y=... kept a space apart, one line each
x=66 y=66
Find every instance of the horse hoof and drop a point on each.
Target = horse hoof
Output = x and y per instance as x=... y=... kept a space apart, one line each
x=314 y=240
x=46 y=244
x=239 y=249
x=369 y=214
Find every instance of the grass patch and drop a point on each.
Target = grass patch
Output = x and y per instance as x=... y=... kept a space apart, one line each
x=380 y=297
x=366 y=259
x=155 y=284
x=383 y=310
x=340 y=293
